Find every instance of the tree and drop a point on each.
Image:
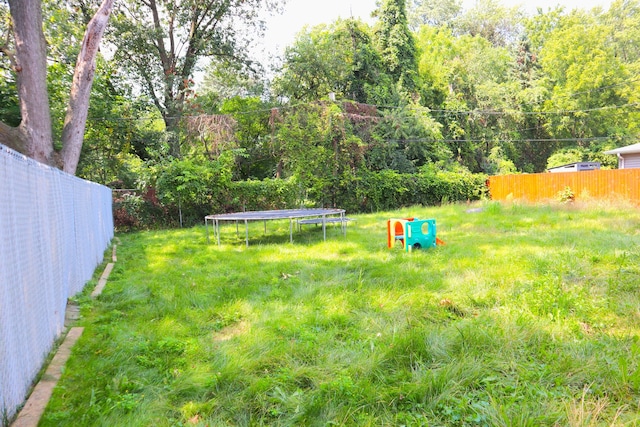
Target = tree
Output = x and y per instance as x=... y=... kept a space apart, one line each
x=396 y=45
x=119 y=132
x=225 y=80
x=33 y=136
x=9 y=104
x=624 y=18
x=490 y=20
x=586 y=80
x=468 y=80
x=436 y=13
x=160 y=42
x=253 y=134
x=338 y=58
x=406 y=139
x=314 y=66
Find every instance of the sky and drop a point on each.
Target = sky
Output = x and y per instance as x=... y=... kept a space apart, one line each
x=282 y=29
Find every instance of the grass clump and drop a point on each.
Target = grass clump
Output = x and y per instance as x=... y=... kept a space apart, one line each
x=528 y=316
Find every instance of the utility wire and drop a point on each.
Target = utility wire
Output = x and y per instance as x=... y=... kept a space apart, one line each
x=424 y=109
x=588 y=139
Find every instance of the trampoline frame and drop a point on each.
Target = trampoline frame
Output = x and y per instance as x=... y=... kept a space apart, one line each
x=290 y=214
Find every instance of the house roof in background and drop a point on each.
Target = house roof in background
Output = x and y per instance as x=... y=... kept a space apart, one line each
x=570 y=165
x=629 y=149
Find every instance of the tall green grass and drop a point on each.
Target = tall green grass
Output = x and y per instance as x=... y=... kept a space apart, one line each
x=528 y=316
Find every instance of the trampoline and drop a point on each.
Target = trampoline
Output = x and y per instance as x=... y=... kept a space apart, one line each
x=320 y=216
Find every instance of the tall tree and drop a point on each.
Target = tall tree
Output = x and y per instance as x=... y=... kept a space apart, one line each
x=624 y=18
x=338 y=58
x=586 y=80
x=161 y=42
x=490 y=20
x=396 y=45
x=28 y=56
x=436 y=13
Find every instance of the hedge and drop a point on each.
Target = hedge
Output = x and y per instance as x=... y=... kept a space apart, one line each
x=366 y=192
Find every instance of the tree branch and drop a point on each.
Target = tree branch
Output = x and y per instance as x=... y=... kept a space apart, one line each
x=76 y=117
x=157 y=25
x=13 y=138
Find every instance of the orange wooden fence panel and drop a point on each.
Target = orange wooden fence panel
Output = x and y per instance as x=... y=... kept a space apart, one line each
x=597 y=184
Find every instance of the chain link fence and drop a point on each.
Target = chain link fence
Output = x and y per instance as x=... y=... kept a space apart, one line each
x=54 y=229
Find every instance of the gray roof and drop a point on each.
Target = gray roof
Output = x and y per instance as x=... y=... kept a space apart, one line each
x=629 y=149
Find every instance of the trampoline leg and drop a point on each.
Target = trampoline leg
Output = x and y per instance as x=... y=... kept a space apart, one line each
x=206 y=226
x=290 y=230
x=344 y=224
x=217 y=230
x=324 y=227
x=246 y=229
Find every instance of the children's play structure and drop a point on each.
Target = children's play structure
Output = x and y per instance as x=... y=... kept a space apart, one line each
x=413 y=233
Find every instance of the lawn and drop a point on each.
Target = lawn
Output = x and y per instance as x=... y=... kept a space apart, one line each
x=528 y=316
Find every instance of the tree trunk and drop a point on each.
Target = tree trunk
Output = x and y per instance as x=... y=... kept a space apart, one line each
x=77 y=110
x=34 y=136
x=172 y=129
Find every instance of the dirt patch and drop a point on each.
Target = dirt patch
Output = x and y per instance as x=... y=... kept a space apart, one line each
x=231 y=331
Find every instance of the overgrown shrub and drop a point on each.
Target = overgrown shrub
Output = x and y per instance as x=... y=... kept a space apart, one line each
x=204 y=194
x=191 y=188
x=139 y=211
x=388 y=190
x=263 y=195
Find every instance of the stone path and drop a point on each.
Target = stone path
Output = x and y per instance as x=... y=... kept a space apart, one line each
x=33 y=409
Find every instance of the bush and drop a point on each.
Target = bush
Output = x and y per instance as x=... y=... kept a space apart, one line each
x=388 y=190
x=203 y=192
x=139 y=211
x=263 y=195
x=191 y=189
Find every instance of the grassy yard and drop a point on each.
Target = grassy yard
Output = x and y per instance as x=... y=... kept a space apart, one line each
x=529 y=316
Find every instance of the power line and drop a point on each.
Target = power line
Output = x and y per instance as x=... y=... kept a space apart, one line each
x=537 y=140
x=424 y=109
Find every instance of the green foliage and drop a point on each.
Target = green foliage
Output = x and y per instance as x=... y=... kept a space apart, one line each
x=253 y=136
x=406 y=139
x=396 y=45
x=115 y=137
x=498 y=164
x=225 y=79
x=502 y=91
x=135 y=211
x=339 y=58
x=566 y=195
x=565 y=157
x=468 y=79
x=9 y=107
x=317 y=149
x=161 y=43
x=434 y=13
x=316 y=64
x=127 y=212
x=387 y=189
x=196 y=191
x=192 y=186
x=584 y=74
x=491 y=21
x=264 y=195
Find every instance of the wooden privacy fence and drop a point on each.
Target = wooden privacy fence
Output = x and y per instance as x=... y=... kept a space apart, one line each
x=597 y=184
